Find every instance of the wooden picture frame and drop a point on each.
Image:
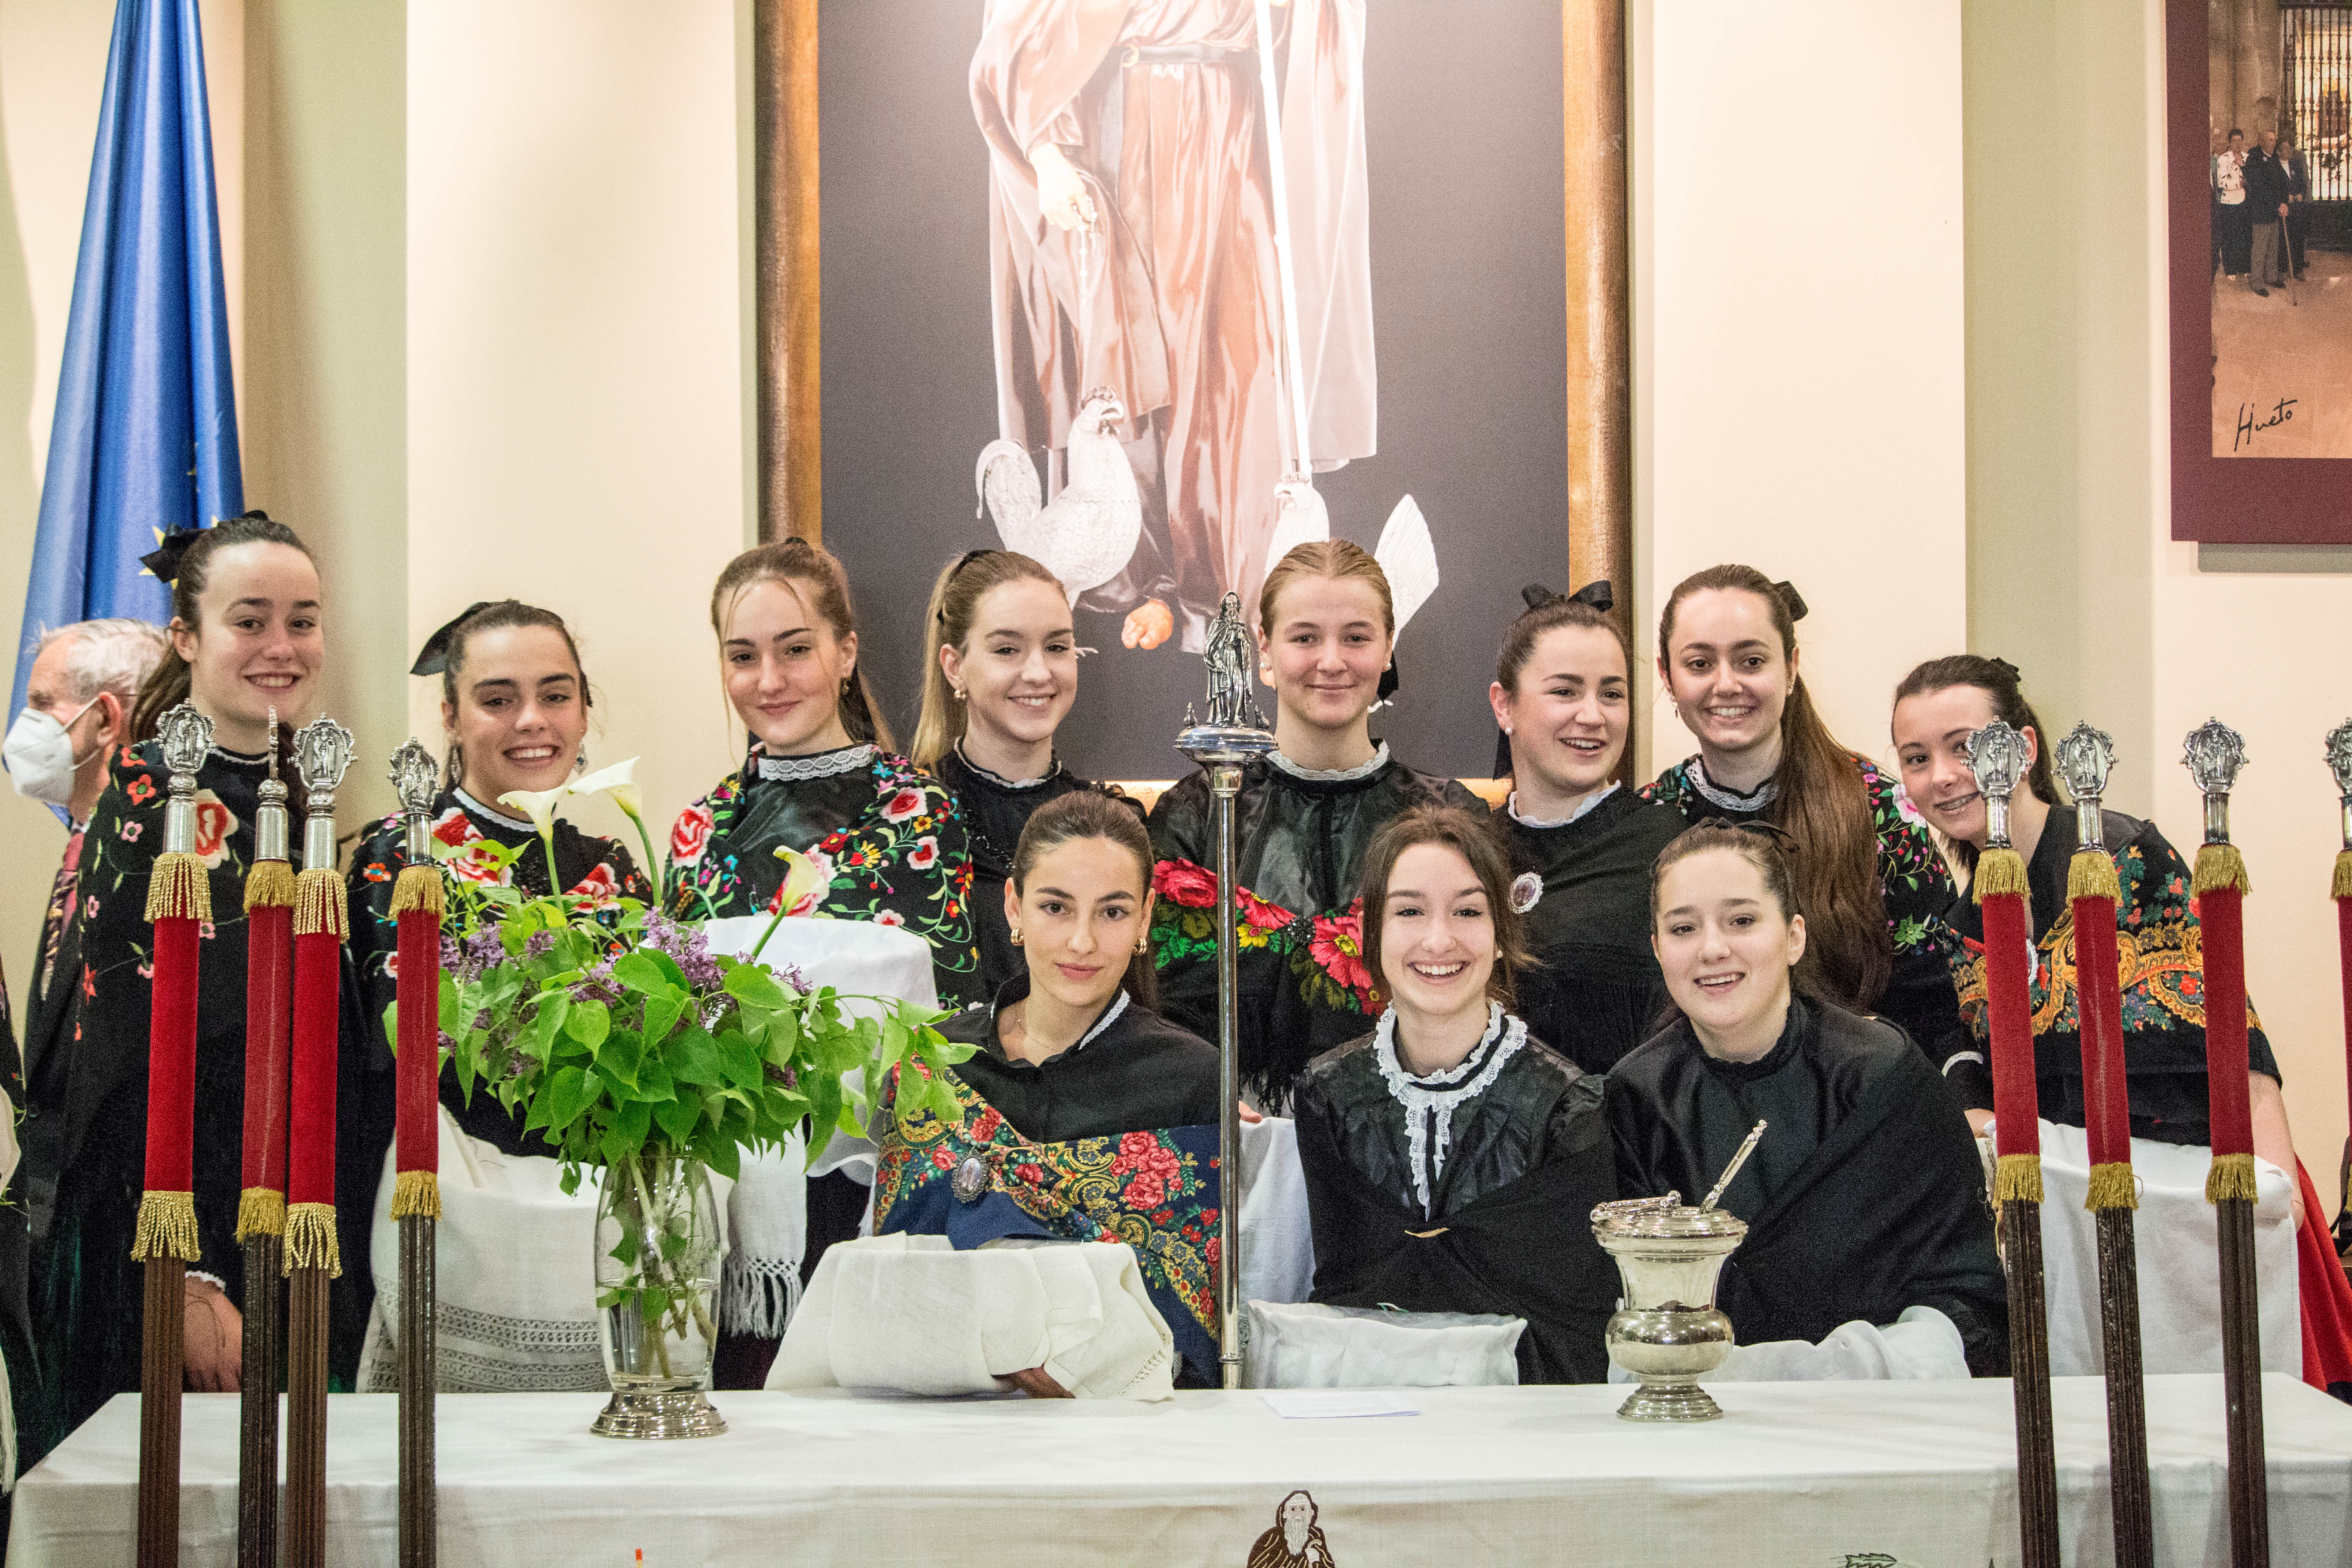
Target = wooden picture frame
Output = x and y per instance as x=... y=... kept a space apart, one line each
x=2220 y=500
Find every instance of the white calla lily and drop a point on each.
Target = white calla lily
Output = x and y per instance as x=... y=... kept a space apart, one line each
x=538 y=805
x=619 y=780
x=804 y=876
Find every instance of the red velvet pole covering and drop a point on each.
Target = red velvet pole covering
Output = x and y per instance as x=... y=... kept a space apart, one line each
x=2099 y=996
x=2220 y=917
x=310 y=1166
x=268 y=1023
x=419 y=1128
x=172 y=1064
x=2016 y=1102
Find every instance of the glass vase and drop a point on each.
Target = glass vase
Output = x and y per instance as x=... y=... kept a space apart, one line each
x=658 y=1265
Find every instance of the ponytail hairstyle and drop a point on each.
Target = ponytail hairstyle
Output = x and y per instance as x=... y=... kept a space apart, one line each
x=955 y=599
x=1473 y=837
x=1998 y=679
x=1092 y=814
x=1334 y=558
x=1760 y=846
x=1822 y=805
x=816 y=575
x=186 y=560
x=1547 y=611
x=443 y=653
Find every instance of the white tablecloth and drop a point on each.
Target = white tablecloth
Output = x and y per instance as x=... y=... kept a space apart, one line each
x=1795 y=1476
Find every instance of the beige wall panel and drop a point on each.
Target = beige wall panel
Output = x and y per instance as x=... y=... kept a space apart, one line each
x=1798 y=329
x=575 y=336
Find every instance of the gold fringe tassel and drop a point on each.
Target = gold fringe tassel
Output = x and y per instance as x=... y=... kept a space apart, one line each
x=167 y=1228
x=2092 y=875
x=180 y=889
x=2232 y=1176
x=260 y=1211
x=2000 y=871
x=311 y=1239
x=270 y=885
x=2112 y=1187
x=2221 y=866
x=419 y=888
x=2017 y=1179
x=321 y=904
x=416 y=1193
x=2342 y=888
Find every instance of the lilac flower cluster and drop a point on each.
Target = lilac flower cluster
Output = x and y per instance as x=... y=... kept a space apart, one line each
x=686 y=946
x=468 y=958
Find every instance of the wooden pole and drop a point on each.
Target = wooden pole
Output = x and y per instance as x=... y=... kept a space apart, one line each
x=2028 y=1364
x=2119 y=1339
x=2241 y=1384
x=163 y=1366
x=256 y=1463
x=306 y=1417
x=419 y=1507
x=785 y=266
x=1599 y=305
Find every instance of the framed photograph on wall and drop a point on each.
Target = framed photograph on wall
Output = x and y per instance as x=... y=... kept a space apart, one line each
x=1048 y=272
x=2259 y=178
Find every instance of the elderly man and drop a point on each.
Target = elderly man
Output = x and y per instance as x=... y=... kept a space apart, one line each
x=77 y=711
x=2267 y=205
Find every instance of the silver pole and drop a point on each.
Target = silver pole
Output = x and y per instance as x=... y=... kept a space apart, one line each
x=1236 y=733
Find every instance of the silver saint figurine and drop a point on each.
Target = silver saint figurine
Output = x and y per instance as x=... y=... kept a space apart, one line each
x=2085 y=758
x=1234 y=732
x=2214 y=754
x=323 y=755
x=414 y=777
x=1997 y=756
x=186 y=736
x=2339 y=762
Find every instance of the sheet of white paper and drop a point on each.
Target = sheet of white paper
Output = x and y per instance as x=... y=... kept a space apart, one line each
x=1322 y=1403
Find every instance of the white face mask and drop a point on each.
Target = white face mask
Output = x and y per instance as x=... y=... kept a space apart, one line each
x=41 y=757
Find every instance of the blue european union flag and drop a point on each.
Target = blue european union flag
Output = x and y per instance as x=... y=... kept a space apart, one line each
x=145 y=439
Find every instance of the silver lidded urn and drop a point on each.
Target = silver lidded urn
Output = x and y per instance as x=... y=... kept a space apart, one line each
x=1668 y=1330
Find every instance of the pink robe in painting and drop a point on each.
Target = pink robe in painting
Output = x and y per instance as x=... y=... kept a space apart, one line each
x=1173 y=300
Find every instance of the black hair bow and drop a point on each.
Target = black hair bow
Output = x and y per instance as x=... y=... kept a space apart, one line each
x=1594 y=596
x=434 y=657
x=164 y=560
x=1791 y=597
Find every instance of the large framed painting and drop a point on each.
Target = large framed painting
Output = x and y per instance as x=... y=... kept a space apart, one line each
x=1055 y=319
x=2258 y=176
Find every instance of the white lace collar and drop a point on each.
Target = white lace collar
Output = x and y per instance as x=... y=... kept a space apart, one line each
x=1727 y=799
x=1000 y=781
x=1511 y=805
x=490 y=813
x=1433 y=1099
x=820 y=766
x=1333 y=776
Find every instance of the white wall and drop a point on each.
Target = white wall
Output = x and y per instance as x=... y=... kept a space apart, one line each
x=575 y=336
x=1799 y=380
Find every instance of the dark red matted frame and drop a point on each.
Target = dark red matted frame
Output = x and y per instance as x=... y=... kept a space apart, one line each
x=2221 y=501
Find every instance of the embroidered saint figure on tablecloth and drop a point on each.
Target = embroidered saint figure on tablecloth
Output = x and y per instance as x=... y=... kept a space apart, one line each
x=1297 y=1540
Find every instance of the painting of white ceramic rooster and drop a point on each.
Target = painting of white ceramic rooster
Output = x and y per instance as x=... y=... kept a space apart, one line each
x=1087 y=533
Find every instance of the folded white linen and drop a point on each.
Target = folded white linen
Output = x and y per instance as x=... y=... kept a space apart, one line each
x=912 y=1314
x=1921 y=1344
x=1307 y=1345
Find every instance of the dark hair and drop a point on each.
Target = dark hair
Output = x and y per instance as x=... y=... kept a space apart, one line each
x=1091 y=814
x=2233 y=132
x=1998 y=679
x=1761 y=848
x=796 y=563
x=499 y=615
x=167 y=685
x=947 y=622
x=1560 y=610
x=1473 y=837
x=1822 y=805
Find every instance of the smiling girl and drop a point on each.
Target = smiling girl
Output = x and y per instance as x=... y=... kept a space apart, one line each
x=999 y=673
x=1865 y=1197
x=514 y=713
x=1583 y=847
x=1866 y=868
x=1302 y=822
x=1451 y=1159
x=820 y=776
x=246 y=635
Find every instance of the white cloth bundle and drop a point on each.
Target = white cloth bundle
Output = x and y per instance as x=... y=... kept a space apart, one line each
x=1312 y=1346
x=2173 y=1240
x=769 y=1210
x=1921 y=1344
x=910 y=1313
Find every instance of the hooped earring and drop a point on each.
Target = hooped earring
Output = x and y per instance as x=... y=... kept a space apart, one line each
x=1144 y=944
x=1016 y=936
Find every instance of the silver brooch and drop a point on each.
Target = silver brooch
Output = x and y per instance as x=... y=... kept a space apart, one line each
x=1526 y=891
x=971 y=1180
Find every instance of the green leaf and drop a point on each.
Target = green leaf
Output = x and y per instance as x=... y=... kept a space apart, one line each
x=752 y=983
x=650 y=973
x=677 y=1117
x=654 y=1084
x=569 y=1091
x=662 y=1013
x=588 y=1023
x=693 y=1057
x=726 y=1157
x=741 y=1064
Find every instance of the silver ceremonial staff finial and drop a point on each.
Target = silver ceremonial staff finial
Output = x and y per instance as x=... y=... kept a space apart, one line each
x=1746 y=1148
x=413 y=776
x=270 y=837
x=2339 y=762
x=1997 y=756
x=1235 y=732
x=2085 y=757
x=2214 y=754
x=186 y=736
x=323 y=755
